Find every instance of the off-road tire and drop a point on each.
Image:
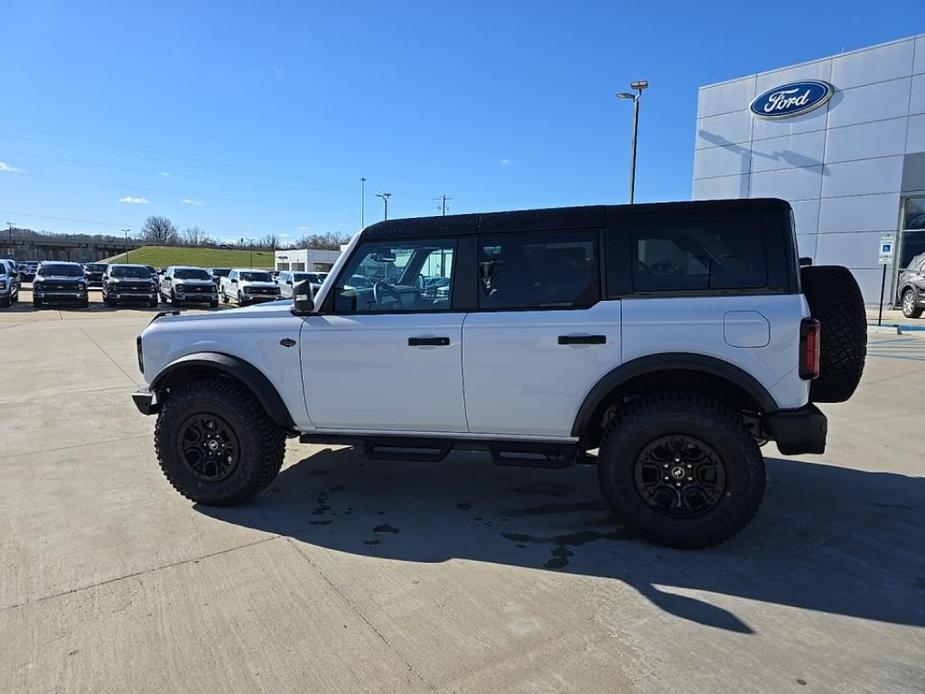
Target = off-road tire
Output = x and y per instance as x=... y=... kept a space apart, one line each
x=213 y=304
x=7 y=302
x=835 y=300
x=153 y=303
x=910 y=310
x=84 y=303
x=644 y=420
x=37 y=303
x=262 y=441
x=224 y=297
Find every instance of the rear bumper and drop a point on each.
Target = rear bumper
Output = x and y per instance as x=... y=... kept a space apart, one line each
x=798 y=431
x=146 y=401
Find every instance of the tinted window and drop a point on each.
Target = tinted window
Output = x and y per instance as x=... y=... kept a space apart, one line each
x=397 y=276
x=129 y=271
x=557 y=269
x=191 y=274
x=62 y=269
x=698 y=255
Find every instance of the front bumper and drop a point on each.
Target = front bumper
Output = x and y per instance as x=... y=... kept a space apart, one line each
x=254 y=298
x=132 y=296
x=146 y=401
x=201 y=297
x=60 y=295
x=802 y=430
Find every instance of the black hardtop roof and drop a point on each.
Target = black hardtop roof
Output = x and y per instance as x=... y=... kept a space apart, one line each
x=553 y=218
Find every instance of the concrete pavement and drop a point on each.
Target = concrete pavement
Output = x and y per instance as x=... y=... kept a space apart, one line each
x=350 y=576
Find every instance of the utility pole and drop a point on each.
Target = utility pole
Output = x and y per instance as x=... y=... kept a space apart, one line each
x=385 y=199
x=638 y=85
x=125 y=247
x=362 y=202
x=12 y=247
x=442 y=200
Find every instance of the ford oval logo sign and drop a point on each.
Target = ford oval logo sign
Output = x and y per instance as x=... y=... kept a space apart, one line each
x=792 y=99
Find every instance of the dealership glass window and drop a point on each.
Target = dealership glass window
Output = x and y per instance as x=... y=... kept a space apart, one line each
x=397 y=276
x=913 y=230
x=697 y=256
x=539 y=270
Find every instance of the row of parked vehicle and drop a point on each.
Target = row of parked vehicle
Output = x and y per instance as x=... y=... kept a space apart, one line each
x=55 y=282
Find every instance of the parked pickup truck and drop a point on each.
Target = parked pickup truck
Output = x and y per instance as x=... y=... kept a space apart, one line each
x=662 y=343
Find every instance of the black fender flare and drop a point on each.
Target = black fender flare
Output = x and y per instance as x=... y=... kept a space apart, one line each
x=675 y=361
x=246 y=373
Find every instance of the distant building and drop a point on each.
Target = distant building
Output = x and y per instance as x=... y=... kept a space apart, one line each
x=842 y=139
x=305 y=259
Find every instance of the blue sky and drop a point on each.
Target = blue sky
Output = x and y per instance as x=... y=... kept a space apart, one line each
x=254 y=118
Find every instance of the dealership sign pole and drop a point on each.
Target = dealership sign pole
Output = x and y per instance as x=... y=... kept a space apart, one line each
x=887 y=242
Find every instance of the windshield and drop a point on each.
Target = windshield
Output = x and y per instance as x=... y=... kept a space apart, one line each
x=221 y=271
x=95 y=267
x=299 y=276
x=256 y=277
x=192 y=274
x=62 y=269
x=129 y=271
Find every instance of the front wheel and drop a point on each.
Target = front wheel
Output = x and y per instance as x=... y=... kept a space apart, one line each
x=215 y=443
x=681 y=469
x=241 y=302
x=910 y=310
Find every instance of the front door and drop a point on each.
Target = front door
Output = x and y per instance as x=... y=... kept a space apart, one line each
x=388 y=356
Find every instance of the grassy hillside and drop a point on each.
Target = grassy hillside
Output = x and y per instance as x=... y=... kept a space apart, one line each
x=162 y=256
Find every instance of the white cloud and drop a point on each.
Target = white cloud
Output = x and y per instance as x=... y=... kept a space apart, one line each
x=284 y=236
x=129 y=200
x=6 y=168
x=191 y=201
x=505 y=162
x=165 y=173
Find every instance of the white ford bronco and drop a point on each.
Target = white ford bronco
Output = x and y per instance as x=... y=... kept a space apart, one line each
x=663 y=343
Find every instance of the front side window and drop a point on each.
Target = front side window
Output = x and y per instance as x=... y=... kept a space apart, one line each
x=539 y=270
x=698 y=255
x=397 y=276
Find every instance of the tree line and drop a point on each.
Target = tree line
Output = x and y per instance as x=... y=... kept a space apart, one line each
x=160 y=231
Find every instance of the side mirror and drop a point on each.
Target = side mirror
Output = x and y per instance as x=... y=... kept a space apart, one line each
x=234 y=281
x=303 y=299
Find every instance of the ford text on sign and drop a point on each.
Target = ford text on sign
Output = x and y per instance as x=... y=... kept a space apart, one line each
x=792 y=99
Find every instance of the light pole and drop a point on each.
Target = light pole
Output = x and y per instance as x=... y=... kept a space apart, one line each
x=363 y=202
x=125 y=247
x=385 y=199
x=12 y=248
x=638 y=85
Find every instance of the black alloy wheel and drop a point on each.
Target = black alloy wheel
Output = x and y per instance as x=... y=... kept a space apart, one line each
x=209 y=447
x=679 y=476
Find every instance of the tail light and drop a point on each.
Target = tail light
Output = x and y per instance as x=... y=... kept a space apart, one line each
x=810 y=332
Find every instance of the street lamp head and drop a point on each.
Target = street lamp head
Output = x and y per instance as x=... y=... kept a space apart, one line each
x=626 y=95
x=639 y=84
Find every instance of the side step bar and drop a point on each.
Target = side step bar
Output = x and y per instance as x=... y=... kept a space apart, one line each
x=519 y=453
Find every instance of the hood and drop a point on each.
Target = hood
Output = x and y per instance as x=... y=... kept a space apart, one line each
x=269 y=309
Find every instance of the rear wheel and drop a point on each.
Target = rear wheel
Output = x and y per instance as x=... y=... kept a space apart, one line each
x=910 y=310
x=681 y=469
x=215 y=443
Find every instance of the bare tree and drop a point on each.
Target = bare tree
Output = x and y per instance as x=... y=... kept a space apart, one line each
x=270 y=241
x=194 y=236
x=159 y=231
x=330 y=241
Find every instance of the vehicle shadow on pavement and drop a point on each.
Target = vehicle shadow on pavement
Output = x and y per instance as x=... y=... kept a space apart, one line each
x=828 y=539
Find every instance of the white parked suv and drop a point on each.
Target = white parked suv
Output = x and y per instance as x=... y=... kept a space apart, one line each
x=246 y=286
x=187 y=285
x=663 y=343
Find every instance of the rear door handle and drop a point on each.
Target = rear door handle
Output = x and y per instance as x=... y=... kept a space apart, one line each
x=428 y=341
x=582 y=339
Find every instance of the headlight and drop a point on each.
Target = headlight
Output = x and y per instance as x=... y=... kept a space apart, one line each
x=247 y=290
x=2 y=284
x=81 y=285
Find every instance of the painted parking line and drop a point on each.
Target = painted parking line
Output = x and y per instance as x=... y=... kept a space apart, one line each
x=905 y=348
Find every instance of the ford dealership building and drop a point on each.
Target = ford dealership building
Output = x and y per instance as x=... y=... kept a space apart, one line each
x=842 y=138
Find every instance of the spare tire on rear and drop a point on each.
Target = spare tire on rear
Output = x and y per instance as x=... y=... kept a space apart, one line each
x=835 y=301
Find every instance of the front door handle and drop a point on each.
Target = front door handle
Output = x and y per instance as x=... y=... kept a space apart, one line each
x=582 y=339
x=428 y=341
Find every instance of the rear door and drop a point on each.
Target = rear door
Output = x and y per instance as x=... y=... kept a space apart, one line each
x=541 y=336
